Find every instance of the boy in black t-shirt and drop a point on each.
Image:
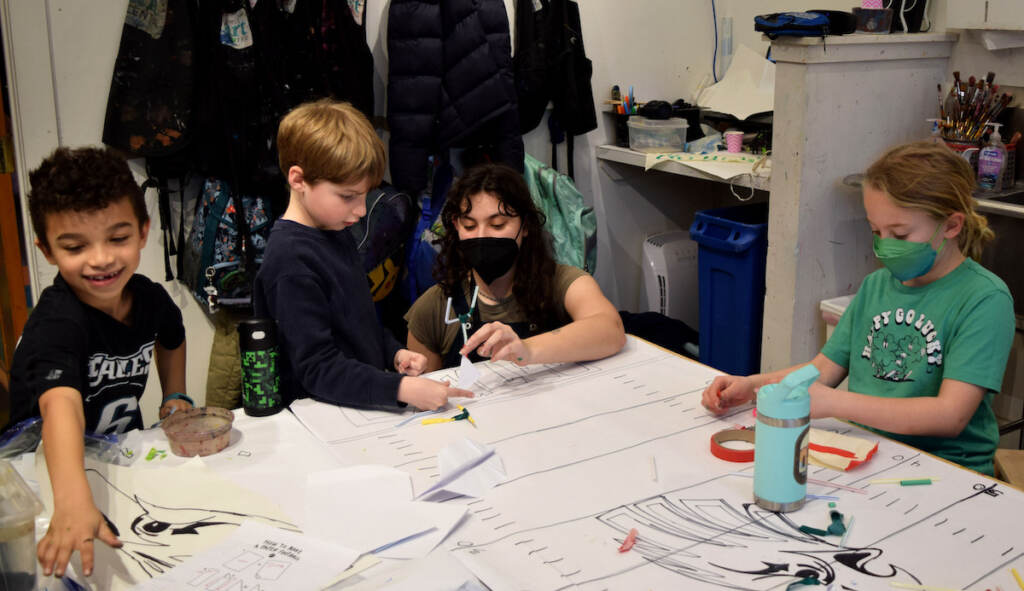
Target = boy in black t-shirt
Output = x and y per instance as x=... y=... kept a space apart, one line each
x=84 y=356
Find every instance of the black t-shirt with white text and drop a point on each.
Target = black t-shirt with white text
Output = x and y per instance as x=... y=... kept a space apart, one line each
x=69 y=343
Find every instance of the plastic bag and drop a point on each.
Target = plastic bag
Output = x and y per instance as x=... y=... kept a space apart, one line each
x=26 y=435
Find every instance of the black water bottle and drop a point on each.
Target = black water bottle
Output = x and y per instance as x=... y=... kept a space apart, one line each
x=261 y=386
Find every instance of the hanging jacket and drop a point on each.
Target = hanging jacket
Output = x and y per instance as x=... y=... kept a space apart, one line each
x=551 y=65
x=450 y=84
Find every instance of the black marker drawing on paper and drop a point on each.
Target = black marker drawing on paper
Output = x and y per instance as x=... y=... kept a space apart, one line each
x=712 y=541
x=152 y=538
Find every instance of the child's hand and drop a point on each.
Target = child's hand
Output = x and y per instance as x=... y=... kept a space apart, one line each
x=173 y=405
x=426 y=394
x=73 y=528
x=499 y=342
x=410 y=363
x=726 y=392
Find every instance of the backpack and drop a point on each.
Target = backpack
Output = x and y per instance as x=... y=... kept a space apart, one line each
x=381 y=236
x=811 y=23
x=423 y=251
x=149 y=107
x=218 y=267
x=572 y=225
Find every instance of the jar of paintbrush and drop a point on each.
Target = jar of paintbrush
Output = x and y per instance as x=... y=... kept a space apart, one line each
x=966 y=110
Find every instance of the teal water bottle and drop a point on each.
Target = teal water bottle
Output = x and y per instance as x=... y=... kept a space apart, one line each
x=780 y=441
x=261 y=389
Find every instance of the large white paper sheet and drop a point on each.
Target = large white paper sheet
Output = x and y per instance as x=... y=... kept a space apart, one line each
x=162 y=516
x=370 y=509
x=365 y=507
x=748 y=86
x=257 y=556
x=576 y=441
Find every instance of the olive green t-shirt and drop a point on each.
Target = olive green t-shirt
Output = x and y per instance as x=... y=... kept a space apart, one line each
x=901 y=342
x=426 y=316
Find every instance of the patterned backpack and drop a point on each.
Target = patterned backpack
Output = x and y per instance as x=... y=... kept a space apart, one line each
x=222 y=254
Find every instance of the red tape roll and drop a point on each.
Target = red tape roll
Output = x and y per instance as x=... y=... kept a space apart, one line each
x=732 y=455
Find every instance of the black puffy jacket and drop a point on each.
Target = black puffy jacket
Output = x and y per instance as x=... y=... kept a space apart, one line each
x=450 y=84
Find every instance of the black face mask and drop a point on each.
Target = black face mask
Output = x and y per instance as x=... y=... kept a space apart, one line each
x=489 y=257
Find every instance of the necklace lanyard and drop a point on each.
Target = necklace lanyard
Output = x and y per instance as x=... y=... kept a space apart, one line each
x=466 y=320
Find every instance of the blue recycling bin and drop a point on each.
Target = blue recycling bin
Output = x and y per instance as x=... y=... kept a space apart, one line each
x=732 y=250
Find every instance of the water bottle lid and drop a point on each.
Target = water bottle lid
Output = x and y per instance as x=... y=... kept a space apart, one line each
x=789 y=398
x=257 y=334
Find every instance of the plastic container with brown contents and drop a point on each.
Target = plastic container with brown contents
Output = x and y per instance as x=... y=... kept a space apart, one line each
x=199 y=431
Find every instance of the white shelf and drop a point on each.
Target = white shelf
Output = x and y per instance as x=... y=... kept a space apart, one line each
x=634 y=158
x=999 y=203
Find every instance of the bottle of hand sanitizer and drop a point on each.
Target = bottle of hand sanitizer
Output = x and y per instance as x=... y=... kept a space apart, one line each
x=991 y=161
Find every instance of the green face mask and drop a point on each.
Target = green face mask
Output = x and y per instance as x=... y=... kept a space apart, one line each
x=907 y=260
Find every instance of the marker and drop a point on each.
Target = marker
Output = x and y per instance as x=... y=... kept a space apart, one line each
x=1016 y=575
x=904 y=481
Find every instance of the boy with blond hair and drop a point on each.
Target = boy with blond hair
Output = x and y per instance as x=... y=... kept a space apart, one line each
x=312 y=281
x=83 y=359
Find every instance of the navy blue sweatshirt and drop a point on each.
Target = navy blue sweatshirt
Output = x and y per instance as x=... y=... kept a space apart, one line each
x=332 y=346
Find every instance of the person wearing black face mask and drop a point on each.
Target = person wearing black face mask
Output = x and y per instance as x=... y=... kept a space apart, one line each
x=528 y=308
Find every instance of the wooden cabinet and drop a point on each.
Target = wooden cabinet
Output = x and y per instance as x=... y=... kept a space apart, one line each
x=985 y=14
x=13 y=308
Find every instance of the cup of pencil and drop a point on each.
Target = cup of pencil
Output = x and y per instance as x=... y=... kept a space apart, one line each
x=967 y=109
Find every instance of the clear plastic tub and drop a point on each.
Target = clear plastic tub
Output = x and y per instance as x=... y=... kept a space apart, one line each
x=199 y=431
x=657 y=135
x=18 y=510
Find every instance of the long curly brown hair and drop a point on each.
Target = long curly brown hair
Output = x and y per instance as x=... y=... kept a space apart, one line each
x=533 y=279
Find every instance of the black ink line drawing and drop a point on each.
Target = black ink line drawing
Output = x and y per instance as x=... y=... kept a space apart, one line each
x=711 y=541
x=150 y=539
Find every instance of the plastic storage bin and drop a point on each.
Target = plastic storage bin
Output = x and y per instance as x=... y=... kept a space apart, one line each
x=831 y=311
x=657 y=135
x=18 y=510
x=732 y=248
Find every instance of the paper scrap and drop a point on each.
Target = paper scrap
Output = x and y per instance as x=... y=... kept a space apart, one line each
x=467 y=468
x=721 y=164
x=363 y=507
x=258 y=556
x=468 y=374
x=444 y=516
x=828 y=449
x=748 y=87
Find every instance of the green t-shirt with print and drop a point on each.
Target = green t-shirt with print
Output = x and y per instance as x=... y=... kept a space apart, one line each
x=901 y=342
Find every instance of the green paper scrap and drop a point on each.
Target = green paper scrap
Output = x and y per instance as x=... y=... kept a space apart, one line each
x=155 y=453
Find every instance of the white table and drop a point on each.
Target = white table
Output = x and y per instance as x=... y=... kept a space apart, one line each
x=593 y=450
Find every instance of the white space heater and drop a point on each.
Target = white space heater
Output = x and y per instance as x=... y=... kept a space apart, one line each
x=670 y=276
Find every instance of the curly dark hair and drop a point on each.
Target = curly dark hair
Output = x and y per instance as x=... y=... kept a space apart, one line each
x=533 y=280
x=81 y=179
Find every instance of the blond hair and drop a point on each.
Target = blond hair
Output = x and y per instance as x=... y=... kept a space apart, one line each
x=932 y=178
x=330 y=141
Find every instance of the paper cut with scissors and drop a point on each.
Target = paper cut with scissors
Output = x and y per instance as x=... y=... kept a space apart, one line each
x=468 y=374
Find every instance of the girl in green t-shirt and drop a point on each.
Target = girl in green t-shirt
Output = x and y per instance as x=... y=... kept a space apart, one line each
x=926 y=339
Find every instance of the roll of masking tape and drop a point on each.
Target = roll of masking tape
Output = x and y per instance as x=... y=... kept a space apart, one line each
x=729 y=454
